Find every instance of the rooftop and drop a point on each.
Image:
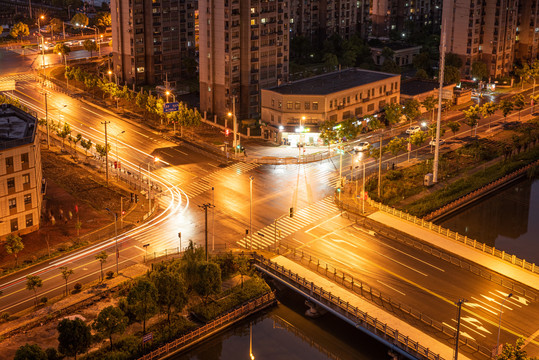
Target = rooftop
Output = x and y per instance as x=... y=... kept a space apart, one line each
x=332 y=82
x=416 y=87
x=395 y=46
x=16 y=127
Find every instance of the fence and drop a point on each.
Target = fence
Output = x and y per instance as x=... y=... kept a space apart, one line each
x=200 y=333
x=344 y=308
x=491 y=250
x=372 y=294
x=481 y=191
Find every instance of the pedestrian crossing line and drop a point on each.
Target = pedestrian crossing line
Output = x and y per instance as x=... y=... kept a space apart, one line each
x=18 y=77
x=288 y=226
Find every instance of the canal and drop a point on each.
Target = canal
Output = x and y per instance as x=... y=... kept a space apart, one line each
x=508 y=220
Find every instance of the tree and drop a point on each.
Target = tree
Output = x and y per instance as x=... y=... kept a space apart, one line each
x=511 y=352
x=64 y=133
x=171 y=291
x=418 y=138
x=393 y=113
x=101 y=150
x=111 y=320
x=142 y=300
x=471 y=117
x=66 y=273
x=348 y=129
x=79 y=19
x=522 y=72
x=103 y=20
x=74 y=337
x=451 y=75
x=86 y=145
x=61 y=49
x=192 y=256
x=479 y=70
x=453 y=126
x=396 y=145
x=33 y=282
x=518 y=103
x=55 y=25
x=430 y=104
x=209 y=279
x=14 y=246
x=454 y=60
x=30 y=352
x=390 y=66
x=411 y=110
x=330 y=61
x=90 y=46
x=76 y=139
x=421 y=74
x=243 y=267
x=506 y=106
x=19 y=30
x=102 y=257
x=422 y=62
x=488 y=109
x=328 y=133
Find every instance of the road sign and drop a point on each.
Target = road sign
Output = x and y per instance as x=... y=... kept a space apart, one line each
x=7 y=85
x=170 y=107
x=147 y=337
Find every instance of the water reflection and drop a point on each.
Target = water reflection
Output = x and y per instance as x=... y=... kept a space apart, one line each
x=508 y=220
x=283 y=332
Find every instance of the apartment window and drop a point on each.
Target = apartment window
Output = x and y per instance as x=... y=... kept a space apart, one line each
x=331 y=104
x=272 y=102
x=28 y=199
x=29 y=220
x=280 y=104
x=9 y=164
x=307 y=105
x=24 y=161
x=370 y=107
x=11 y=185
x=359 y=110
x=333 y=117
x=26 y=181
x=12 y=203
x=346 y=115
x=14 y=225
x=348 y=100
x=315 y=105
x=289 y=105
x=297 y=105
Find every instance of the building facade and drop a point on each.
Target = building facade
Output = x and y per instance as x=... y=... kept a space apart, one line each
x=152 y=40
x=244 y=47
x=527 y=37
x=483 y=30
x=21 y=179
x=301 y=106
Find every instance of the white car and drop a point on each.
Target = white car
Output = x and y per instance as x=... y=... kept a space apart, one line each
x=413 y=129
x=362 y=146
x=433 y=142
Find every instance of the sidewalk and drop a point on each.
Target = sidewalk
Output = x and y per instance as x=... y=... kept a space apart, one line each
x=404 y=328
x=457 y=248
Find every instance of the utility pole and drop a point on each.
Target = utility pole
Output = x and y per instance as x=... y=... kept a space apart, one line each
x=205 y=207
x=380 y=168
x=47 y=119
x=251 y=212
x=363 y=193
x=106 y=153
x=459 y=306
x=446 y=11
x=235 y=125
x=213 y=219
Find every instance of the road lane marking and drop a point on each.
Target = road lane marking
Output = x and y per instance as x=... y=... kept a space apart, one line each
x=344 y=241
x=496 y=302
x=392 y=288
x=512 y=299
x=314 y=227
x=462 y=333
x=93 y=112
x=473 y=321
x=474 y=305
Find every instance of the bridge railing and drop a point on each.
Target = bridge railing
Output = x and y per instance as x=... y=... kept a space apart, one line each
x=491 y=250
x=376 y=296
x=351 y=312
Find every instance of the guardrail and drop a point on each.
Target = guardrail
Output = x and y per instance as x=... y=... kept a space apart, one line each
x=365 y=290
x=351 y=312
x=198 y=334
x=485 y=189
x=491 y=250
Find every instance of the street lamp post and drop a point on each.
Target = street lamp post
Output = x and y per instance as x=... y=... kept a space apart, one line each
x=106 y=153
x=117 y=157
x=500 y=324
x=459 y=306
x=251 y=178
x=115 y=236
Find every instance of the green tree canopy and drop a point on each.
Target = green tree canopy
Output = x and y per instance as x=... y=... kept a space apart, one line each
x=90 y=46
x=454 y=126
x=33 y=282
x=30 y=352
x=454 y=60
x=102 y=258
x=103 y=20
x=518 y=103
x=55 y=25
x=74 y=337
x=19 y=30
x=171 y=291
x=411 y=109
x=111 y=320
x=430 y=103
x=328 y=133
x=479 y=70
x=209 y=279
x=79 y=19
x=393 y=113
x=62 y=49
x=14 y=246
x=142 y=300
x=451 y=75
x=506 y=106
x=471 y=117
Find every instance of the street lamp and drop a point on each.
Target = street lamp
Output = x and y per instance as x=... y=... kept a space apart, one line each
x=251 y=212
x=500 y=324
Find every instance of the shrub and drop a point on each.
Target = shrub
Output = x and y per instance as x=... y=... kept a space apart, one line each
x=110 y=274
x=52 y=354
x=4 y=316
x=77 y=288
x=43 y=300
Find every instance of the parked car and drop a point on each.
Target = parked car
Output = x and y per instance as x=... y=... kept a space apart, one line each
x=433 y=142
x=362 y=146
x=413 y=129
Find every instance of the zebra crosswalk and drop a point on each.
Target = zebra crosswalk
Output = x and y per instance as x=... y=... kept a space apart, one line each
x=18 y=77
x=265 y=237
x=203 y=184
x=316 y=174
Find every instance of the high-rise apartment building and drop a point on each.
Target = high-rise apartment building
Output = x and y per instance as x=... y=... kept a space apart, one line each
x=243 y=47
x=527 y=38
x=398 y=15
x=482 y=30
x=151 y=39
x=21 y=185
x=319 y=19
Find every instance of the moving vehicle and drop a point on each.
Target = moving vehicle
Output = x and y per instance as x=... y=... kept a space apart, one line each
x=413 y=129
x=433 y=142
x=362 y=146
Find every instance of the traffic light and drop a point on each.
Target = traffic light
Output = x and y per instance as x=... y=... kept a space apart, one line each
x=246 y=232
x=115 y=165
x=123 y=212
x=227 y=132
x=291 y=212
x=136 y=198
x=132 y=197
x=338 y=189
x=238 y=147
x=119 y=165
